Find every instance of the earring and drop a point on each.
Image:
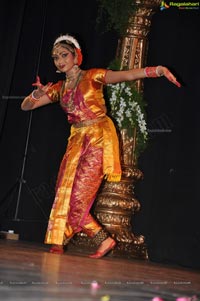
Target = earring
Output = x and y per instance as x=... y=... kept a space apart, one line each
x=58 y=71
x=76 y=67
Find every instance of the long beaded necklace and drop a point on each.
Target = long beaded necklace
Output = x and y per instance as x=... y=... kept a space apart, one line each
x=70 y=103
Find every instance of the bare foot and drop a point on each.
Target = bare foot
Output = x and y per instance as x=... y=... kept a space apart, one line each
x=57 y=249
x=106 y=246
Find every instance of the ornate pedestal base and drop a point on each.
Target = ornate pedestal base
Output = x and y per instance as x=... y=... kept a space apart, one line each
x=115 y=207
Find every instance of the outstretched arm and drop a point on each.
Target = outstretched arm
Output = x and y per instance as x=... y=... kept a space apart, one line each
x=37 y=98
x=134 y=74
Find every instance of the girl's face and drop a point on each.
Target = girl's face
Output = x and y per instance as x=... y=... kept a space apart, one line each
x=64 y=60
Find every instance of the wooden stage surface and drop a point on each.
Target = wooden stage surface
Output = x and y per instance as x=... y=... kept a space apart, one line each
x=30 y=272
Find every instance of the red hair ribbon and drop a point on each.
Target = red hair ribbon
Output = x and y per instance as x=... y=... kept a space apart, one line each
x=79 y=56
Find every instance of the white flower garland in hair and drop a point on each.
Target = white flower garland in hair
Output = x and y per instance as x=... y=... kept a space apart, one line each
x=68 y=38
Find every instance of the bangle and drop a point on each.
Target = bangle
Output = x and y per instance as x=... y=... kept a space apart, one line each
x=32 y=98
x=157 y=71
x=152 y=72
x=32 y=95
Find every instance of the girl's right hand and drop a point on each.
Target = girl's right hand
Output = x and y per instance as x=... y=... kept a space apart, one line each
x=41 y=89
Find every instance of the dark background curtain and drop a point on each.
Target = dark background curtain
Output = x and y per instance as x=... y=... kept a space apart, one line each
x=33 y=143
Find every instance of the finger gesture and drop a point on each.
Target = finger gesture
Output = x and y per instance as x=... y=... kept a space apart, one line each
x=170 y=76
x=37 y=83
x=41 y=89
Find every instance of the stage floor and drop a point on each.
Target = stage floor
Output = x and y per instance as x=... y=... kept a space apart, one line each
x=29 y=272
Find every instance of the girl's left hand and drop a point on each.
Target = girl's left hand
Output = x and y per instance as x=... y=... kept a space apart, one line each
x=163 y=71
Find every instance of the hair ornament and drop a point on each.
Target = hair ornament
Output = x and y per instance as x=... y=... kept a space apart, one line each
x=68 y=38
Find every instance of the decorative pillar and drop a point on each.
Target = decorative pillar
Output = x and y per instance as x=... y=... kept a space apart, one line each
x=133 y=46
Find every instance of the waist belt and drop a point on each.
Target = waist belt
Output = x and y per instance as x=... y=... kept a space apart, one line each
x=88 y=122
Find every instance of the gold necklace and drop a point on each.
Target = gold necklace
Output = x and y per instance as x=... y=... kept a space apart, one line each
x=70 y=104
x=71 y=78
